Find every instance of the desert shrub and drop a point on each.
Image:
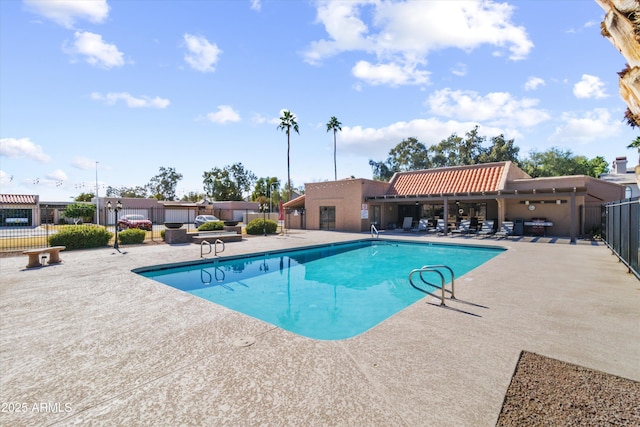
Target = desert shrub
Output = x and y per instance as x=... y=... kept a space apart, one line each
x=162 y=233
x=132 y=236
x=211 y=226
x=256 y=227
x=81 y=237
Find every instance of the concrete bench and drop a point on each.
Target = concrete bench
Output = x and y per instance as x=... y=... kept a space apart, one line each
x=34 y=255
x=213 y=236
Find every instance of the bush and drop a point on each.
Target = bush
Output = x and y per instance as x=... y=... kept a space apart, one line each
x=132 y=236
x=256 y=226
x=81 y=237
x=211 y=226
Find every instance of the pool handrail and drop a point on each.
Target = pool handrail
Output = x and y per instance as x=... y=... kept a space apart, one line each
x=434 y=269
x=375 y=231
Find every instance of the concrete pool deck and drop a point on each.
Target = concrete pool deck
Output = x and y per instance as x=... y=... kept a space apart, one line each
x=90 y=342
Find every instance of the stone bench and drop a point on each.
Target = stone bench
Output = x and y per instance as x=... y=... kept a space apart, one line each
x=34 y=255
x=212 y=236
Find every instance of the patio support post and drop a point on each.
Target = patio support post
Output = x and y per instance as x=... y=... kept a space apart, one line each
x=446 y=215
x=572 y=215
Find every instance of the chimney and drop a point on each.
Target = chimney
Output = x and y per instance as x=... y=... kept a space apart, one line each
x=620 y=165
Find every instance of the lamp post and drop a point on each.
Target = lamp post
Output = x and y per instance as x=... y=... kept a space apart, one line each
x=264 y=218
x=271 y=197
x=97 y=200
x=116 y=210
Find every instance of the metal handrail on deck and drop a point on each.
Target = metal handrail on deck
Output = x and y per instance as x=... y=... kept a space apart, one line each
x=202 y=254
x=374 y=231
x=434 y=269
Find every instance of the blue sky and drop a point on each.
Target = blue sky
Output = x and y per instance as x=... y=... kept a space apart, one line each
x=136 y=85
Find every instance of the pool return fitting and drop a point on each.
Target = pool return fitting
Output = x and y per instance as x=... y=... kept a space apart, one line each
x=434 y=269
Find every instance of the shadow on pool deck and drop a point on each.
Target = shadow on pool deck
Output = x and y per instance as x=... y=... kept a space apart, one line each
x=90 y=342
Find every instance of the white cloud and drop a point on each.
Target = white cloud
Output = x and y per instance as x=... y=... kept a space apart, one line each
x=389 y=74
x=403 y=33
x=597 y=124
x=589 y=87
x=202 y=55
x=224 y=114
x=22 y=148
x=95 y=50
x=131 y=101
x=495 y=108
x=57 y=176
x=83 y=163
x=460 y=70
x=533 y=83
x=375 y=142
x=5 y=178
x=255 y=5
x=66 y=12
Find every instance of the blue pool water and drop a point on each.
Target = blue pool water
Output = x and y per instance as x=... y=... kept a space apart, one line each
x=330 y=292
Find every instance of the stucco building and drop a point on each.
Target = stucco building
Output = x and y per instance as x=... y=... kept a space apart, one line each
x=499 y=191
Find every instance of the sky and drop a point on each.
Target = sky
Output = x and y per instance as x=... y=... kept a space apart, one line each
x=105 y=93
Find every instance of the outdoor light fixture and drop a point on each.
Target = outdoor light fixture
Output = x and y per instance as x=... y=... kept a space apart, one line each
x=264 y=218
x=117 y=209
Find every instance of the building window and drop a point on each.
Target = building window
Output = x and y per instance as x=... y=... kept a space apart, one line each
x=628 y=191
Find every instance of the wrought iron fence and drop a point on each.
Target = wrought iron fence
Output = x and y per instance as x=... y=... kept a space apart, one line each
x=18 y=232
x=622 y=236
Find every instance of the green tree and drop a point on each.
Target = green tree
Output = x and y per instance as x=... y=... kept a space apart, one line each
x=334 y=125
x=557 y=162
x=130 y=192
x=229 y=183
x=410 y=154
x=500 y=151
x=77 y=211
x=84 y=197
x=163 y=186
x=446 y=153
x=288 y=121
x=264 y=188
x=193 y=196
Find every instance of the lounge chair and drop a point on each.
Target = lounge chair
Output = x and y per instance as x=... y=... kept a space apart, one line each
x=463 y=228
x=441 y=226
x=423 y=225
x=506 y=230
x=487 y=228
x=407 y=223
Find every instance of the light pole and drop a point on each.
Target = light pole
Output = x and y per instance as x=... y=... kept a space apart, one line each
x=97 y=200
x=271 y=197
x=264 y=218
x=116 y=210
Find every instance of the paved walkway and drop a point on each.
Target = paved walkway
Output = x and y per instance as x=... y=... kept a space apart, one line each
x=90 y=342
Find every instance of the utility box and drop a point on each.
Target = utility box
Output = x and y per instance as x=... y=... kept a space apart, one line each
x=518 y=227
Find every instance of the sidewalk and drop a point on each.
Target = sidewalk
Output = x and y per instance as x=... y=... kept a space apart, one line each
x=90 y=342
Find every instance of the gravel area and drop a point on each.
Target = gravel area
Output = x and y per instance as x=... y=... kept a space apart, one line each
x=549 y=392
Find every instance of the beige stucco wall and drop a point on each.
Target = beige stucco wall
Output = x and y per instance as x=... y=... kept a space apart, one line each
x=347 y=196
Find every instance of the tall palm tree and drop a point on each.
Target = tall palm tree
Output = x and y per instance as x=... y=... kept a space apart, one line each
x=334 y=125
x=288 y=121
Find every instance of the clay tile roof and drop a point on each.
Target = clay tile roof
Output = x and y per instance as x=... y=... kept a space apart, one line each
x=18 y=199
x=448 y=180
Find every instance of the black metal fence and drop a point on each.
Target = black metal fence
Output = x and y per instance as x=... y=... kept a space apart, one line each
x=19 y=232
x=622 y=235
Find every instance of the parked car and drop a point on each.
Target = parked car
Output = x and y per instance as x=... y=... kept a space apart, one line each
x=201 y=219
x=134 y=221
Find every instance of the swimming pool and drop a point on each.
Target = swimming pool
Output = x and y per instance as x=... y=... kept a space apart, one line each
x=328 y=292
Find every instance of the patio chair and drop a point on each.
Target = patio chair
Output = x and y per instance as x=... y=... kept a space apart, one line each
x=506 y=230
x=423 y=225
x=441 y=226
x=487 y=228
x=406 y=223
x=463 y=228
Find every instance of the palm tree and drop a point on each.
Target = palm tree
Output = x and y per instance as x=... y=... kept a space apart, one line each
x=288 y=121
x=334 y=125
